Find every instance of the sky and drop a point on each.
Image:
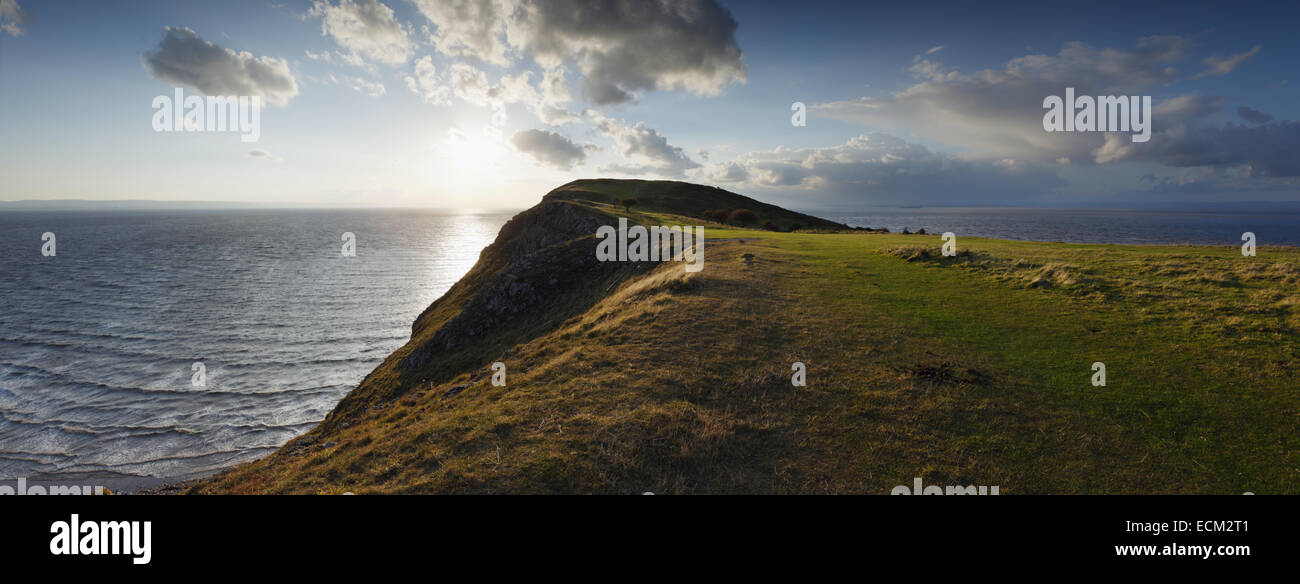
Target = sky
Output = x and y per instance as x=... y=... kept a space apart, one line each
x=492 y=103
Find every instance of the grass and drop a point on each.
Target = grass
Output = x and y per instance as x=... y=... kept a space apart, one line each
x=973 y=369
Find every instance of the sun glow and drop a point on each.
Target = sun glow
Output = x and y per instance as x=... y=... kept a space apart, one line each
x=470 y=153
x=481 y=168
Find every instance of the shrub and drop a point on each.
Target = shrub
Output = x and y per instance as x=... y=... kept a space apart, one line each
x=718 y=215
x=742 y=217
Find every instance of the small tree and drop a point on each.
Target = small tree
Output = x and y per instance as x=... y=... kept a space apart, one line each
x=628 y=204
x=742 y=217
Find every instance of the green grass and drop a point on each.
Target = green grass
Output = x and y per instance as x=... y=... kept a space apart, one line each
x=1199 y=396
x=967 y=370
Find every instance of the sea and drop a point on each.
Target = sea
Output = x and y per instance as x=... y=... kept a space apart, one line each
x=164 y=345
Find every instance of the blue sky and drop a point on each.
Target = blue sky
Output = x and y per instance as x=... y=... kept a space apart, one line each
x=490 y=103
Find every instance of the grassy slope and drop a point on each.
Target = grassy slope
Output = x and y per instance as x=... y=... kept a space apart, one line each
x=967 y=370
x=687 y=199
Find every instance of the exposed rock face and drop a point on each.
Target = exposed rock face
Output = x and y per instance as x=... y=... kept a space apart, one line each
x=539 y=256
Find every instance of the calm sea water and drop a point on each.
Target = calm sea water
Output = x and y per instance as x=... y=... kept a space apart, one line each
x=97 y=343
x=1087 y=226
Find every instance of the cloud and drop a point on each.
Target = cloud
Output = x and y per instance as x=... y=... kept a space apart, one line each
x=645 y=146
x=998 y=112
x=933 y=50
x=1217 y=67
x=472 y=85
x=366 y=28
x=625 y=46
x=1184 y=109
x=553 y=94
x=1186 y=136
x=426 y=84
x=549 y=148
x=185 y=59
x=732 y=172
x=468 y=28
x=620 y=47
x=885 y=169
x=321 y=56
x=361 y=84
x=1268 y=150
x=1234 y=181
x=1253 y=115
x=12 y=17
x=258 y=154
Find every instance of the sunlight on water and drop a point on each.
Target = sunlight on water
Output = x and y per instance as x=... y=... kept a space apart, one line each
x=98 y=343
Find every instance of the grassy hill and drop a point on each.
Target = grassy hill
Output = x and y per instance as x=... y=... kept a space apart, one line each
x=971 y=370
x=685 y=199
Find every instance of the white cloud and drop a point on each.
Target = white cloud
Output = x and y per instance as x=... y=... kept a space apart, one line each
x=648 y=149
x=549 y=148
x=888 y=170
x=366 y=28
x=472 y=85
x=732 y=172
x=469 y=28
x=426 y=84
x=12 y=17
x=1217 y=67
x=361 y=84
x=185 y=59
x=998 y=112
